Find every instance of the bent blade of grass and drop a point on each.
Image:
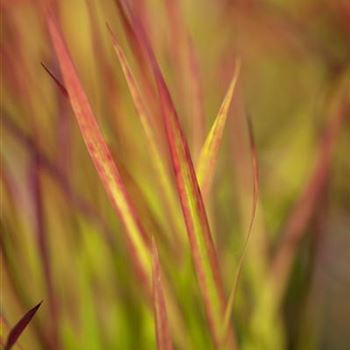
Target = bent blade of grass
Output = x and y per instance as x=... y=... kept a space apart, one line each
x=143 y=114
x=20 y=326
x=209 y=152
x=202 y=246
x=161 y=320
x=255 y=171
x=101 y=155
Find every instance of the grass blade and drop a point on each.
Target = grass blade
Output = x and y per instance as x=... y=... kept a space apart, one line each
x=143 y=114
x=209 y=152
x=101 y=155
x=61 y=87
x=161 y=321
x=202 y=247
x=255 y=171
x=175 y=319
x=20 y=326
x=176 y=322
x=185 y=61
x=138 y=52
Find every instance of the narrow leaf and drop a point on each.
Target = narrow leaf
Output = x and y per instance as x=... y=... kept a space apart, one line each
x=143 y=114
x=137 y=49
x=101 y=155
x=57 y=81
x=185 y=61
x=20 y=326
x=209 y=153
x=161 y=320
x=255 y=172
x=202 y=247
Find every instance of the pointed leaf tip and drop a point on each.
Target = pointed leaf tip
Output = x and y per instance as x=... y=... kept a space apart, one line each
x=20 y=326
x=59 y=84
x=209 y=152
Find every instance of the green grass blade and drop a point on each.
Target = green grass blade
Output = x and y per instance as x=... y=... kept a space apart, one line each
x=209 y=152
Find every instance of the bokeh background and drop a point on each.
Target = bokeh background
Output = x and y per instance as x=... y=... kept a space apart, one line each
x=61 y=241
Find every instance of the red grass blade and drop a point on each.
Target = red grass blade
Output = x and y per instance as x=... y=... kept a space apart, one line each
x=185 y=61
x=202 y=247
x=20 y=326
x=155 y=155
x=209 y=153
x=137 y=50
x=161 y=320
x=101 y=155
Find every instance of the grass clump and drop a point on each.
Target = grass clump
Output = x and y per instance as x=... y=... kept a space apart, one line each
x=142 y=221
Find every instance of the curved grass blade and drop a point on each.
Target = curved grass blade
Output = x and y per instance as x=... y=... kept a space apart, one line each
x=101 y=155
x=20 y=326
x=202 y=246
x=161 y=321
x=143 y=114
x=209 y=152
x=255 y=171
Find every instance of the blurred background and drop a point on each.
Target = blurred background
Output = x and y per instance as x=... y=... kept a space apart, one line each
x=61 y=241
